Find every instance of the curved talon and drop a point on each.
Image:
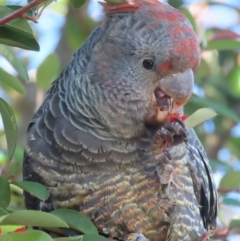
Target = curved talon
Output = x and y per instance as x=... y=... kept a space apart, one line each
x=180 y=122
x=173 y=133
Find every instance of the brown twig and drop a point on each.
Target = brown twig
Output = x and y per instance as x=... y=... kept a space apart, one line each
x=221 y=233
x=226 y=190
x=20 y=12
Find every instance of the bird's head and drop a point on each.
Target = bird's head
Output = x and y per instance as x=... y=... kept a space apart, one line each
x=143 y=63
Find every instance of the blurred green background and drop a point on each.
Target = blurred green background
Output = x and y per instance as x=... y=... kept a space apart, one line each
x=26 y=75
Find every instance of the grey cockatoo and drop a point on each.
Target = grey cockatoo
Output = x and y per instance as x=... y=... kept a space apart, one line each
x=97 y=141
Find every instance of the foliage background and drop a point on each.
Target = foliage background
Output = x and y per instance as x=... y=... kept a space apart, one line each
x=61 y=30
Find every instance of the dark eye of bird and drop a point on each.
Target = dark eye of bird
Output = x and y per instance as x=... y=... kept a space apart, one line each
x=148 y=63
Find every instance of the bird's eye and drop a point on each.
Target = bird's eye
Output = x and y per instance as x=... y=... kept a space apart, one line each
x=147 y=63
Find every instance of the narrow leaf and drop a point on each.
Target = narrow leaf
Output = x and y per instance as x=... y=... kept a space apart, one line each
x=199 y=116
x=16 y=7
x=5 y=192
x=75 y=220
x=17 y=32
x=36 y=189
x=8 y=80
x=10 y=55
x=33 y=218
x=226 y=44
x=191 y=19
x=3 y=212
x=231 y=180
x=115 y=1
x=221 y=109
x=48 y=71
x=231 y=201
x=235 y=223
x=91 y=237
x=78 y=238
x=10 y=126
x=29 y=235
x=77 y=3
x=11 y=228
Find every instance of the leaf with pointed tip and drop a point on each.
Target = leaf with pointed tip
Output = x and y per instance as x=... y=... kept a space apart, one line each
x=30 y=235
x=3 y=212
x=5 y=192
x=226 y=44
x=48 y=71
x=77 y=238
x=191 y=19
x=17 y=32
x=198 y=117
x=221 y=109
x=10 y=126
x=91 y=237
x=115 y=1
x=75 y=220
x=33 y=218
x=77 y=3
x=10 y=55
x=235 y=223
x=7 y=80
x=35 y=189
x=231 y=180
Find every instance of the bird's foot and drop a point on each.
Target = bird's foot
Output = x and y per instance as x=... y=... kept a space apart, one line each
x=173 y=133
x=135 y=237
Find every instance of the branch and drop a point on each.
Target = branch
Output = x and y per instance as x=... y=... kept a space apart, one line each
x=21 y=12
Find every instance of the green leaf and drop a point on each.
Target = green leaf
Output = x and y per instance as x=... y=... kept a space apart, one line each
x=16 y=7
x=3 y=212
x=234 y=81
x=91 y=237
x=203 y=70
x=78 y=238
x=5 y=192
x=198 y=117
x=115 y=1
x=36 y=189
x=220 y=165
x=76 y=220
x=27 y=236
x=221 y=109
x=191 y=19
x=17 y=32
x=225 y=44
x=33 y=218
x=7 y=229
x=231 y=201
x=77 y=3
x=231 y=180
x=48 y=71
x=10 y=126
x=235 y=223
x=8 y=80
x=10 y=55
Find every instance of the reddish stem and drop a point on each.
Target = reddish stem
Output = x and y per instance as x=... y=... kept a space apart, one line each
x=20 y=12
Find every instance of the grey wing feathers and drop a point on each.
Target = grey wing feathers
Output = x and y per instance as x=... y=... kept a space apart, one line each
x=208 y=191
